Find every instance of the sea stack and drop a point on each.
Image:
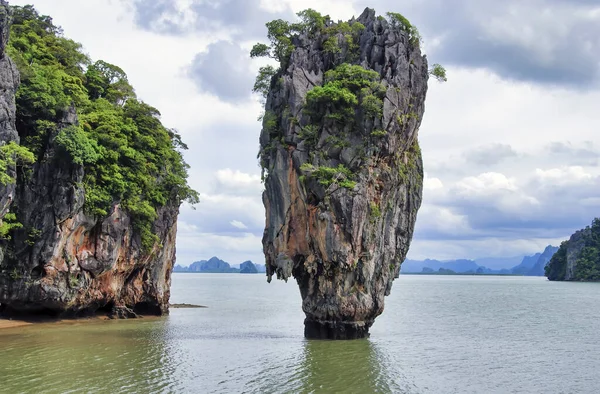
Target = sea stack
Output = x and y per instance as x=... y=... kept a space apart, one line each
x=342 y=166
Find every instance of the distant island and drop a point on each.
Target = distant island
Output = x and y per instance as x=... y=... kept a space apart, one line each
x=578 y=259
x=215 y=265
x=524 y=266
x=520 y=265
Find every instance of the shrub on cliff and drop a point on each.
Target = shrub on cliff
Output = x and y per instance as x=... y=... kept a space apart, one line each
x=128 y=155
x=281 y=35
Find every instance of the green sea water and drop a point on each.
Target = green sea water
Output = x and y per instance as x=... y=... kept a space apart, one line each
x=438 y=334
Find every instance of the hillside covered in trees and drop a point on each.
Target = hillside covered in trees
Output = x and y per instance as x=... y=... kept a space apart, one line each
x=97 y=179
x=127 y=154
x=578 y=258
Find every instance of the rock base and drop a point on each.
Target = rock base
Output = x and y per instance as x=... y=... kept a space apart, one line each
x=314 y=329
x=122 y=312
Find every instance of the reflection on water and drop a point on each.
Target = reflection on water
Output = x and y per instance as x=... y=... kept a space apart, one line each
x=445 y=335
x=156 y=355
x=239 y=344
x=332 y=366
x=94 y=357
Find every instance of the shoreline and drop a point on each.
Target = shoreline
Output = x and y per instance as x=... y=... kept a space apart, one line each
x=8 y=322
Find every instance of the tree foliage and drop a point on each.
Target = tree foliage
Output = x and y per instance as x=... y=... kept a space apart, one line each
x=346 y=88
x=399 y=21
x=587 y=260
x=7 y=224
x=12 y=154
x=556 y=269
x=78 y=145
x=105 y=80
x=327 y=176
x=438 y=72
x=262 y=85
x=587 y=265
x=128 y=155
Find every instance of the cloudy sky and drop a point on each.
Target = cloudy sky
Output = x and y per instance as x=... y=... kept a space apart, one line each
x=510 y=142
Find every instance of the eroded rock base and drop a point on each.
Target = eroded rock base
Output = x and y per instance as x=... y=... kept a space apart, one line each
x=336 y=329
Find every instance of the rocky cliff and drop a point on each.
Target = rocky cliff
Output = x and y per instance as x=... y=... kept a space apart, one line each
x=9 y=82
x=69 y=255
x=70 y=263
x=343 y=166
x=577 y=259
x=542 y=261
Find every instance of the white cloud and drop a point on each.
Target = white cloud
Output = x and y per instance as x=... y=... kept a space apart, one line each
x=238 y=224
x=485 y=184
x=439 y=221
x=432 y=184
x=564 y=176
x=239 y=182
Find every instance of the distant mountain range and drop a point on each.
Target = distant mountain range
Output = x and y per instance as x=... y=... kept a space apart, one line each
x=215 y=265
x=527 y=266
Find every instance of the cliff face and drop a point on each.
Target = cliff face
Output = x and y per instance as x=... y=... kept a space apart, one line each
x=538 y=267
x=9 y=82
x=576 y=244
x=67 y=262
x=344 y=174
x=64 y=261
x=577 y=259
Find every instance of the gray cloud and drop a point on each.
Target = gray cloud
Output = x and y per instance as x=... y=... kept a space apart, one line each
x=544 y=41
x=242 y=18
x=547 y=42
x=223 y=71
x=550 y=204
x=489 y=155
x=554 y=42
x=158 y=15
x=586 y=155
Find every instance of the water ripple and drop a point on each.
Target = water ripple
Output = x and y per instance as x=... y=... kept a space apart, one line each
x=438 y=335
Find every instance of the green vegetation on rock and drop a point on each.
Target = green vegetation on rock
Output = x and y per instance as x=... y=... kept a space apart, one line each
x=556 y=268
x=334 y=37
x=128 y=156
x=399 y=21
x=327 y=176
x=582 y=251
x=438 y=73
x=9 y=222
x=346 y=89
x=12 y=154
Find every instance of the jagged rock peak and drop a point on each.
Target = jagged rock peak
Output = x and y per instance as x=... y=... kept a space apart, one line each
x=343 y=169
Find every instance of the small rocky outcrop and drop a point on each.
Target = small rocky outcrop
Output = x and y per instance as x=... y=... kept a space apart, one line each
x=343 y=169
x=248 y=267
x=213 y=265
